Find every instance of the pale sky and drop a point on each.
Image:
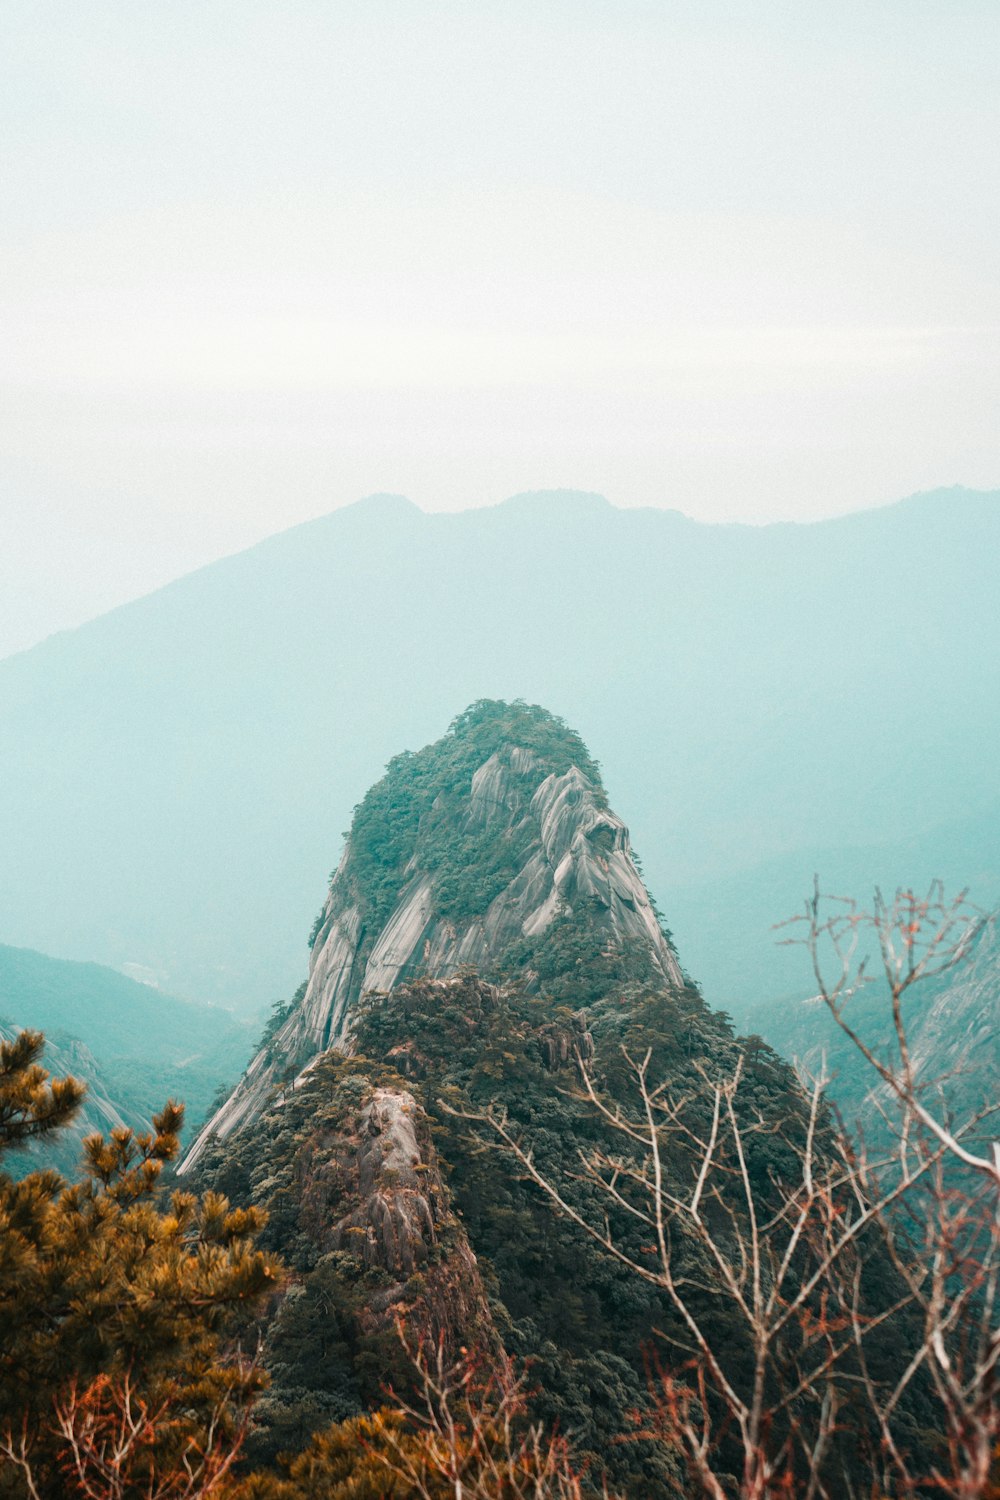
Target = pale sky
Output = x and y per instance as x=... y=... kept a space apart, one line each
x=258 y=260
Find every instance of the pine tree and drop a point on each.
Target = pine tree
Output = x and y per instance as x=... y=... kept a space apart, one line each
x=114 y=1304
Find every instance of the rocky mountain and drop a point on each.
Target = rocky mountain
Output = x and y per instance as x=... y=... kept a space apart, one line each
x=737 y=679
x=486 y=931
x=463 y=856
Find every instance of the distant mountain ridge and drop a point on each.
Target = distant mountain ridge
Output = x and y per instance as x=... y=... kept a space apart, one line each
x=761 y=695
x=133 y=1046
x=952 y=1033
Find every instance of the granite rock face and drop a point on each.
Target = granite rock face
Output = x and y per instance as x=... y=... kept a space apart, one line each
x=397 y=1214
x=574 y=852
x=374 y=1189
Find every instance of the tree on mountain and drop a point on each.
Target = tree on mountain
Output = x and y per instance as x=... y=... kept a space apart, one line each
x=861 y=1291
x=115 y=1379
x=32 y=1104
x=114 y=1375
x=465 y=1434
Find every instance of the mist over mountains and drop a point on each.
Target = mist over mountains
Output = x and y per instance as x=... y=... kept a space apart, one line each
x=131 y=1044
x=176 y=775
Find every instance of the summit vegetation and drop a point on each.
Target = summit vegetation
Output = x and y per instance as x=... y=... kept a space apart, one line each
x=417 y=800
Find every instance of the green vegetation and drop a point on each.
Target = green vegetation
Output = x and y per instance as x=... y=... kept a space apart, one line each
x=280 y=1011
x=121 y=1371
x=367 y=1237
x=417 y=799
x=112 y=1303
x=580 y=1324
x=573 y=961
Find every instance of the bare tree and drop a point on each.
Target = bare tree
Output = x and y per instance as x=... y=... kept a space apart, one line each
x=917 y=938
x=945 y=1242
x=474 y=1440
x=789 y=1250
x=111 y=1447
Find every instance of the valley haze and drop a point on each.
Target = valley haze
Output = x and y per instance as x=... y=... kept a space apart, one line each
x=175 y=776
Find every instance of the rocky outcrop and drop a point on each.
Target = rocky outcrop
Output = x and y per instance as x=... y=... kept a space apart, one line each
x=566 y=1046
x=374 y=1190
x=574 y=854
x=400 y=1201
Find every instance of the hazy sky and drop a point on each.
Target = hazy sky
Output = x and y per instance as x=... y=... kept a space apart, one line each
x=259 y=259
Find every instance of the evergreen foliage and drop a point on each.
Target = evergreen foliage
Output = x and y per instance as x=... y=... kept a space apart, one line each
x=580 y=1324
x=101 y=1282
x=280 y=1011
x=32 y=1104
x=417 y=799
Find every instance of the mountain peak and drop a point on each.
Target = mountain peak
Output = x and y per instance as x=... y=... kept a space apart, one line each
x=487 y=849
x=559 y=502
x=386 y=503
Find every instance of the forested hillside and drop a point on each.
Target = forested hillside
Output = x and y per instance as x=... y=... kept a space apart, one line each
x=490 y=886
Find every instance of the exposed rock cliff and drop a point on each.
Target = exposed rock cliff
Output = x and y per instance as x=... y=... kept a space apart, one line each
x=464 y=855
x=374 y=1190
